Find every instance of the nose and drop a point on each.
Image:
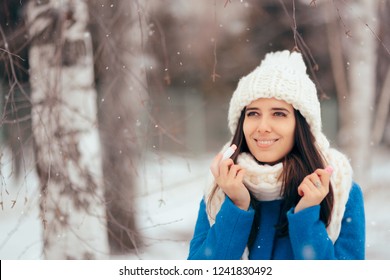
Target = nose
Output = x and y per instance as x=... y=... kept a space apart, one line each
x=264 y=125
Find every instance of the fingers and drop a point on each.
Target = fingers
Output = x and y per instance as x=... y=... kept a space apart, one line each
x=314 y=188
x=215 y=164
x=303 y=188
x=310 y=184
x=230 y=180
x=329 y=169
x=233 y=171
x=240 y=175
x=317 y=182
x=227 y=168
x=324 y=176
x=228 y=175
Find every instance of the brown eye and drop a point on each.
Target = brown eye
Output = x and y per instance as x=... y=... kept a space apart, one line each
x=251 y=114
x=280 y=114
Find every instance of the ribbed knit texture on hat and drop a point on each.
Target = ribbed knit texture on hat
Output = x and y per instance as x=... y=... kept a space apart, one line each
x=281 y=75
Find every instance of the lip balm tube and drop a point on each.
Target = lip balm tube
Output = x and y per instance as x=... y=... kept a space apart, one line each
x=229 y=152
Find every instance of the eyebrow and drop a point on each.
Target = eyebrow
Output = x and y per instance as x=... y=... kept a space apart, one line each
x=272 y=109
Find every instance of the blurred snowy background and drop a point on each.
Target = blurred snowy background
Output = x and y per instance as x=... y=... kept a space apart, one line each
x=163 y=74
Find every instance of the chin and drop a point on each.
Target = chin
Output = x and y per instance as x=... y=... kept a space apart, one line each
x=269 y=161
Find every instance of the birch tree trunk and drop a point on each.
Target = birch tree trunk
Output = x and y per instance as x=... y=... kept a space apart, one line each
x=338 y=63
x=362 y=45
x=64 y=118
x=383 y=66
x=122 y=83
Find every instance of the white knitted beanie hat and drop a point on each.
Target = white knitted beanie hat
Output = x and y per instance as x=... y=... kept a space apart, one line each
x=281 y=75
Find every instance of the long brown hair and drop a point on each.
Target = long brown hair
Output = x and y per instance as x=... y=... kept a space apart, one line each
x=303 y=159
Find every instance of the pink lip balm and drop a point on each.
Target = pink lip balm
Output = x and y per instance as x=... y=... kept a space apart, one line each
x=229 y=152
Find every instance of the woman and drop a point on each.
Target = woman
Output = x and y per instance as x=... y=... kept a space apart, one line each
x=284 y=193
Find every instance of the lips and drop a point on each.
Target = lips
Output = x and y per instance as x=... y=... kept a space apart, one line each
x=265 y=143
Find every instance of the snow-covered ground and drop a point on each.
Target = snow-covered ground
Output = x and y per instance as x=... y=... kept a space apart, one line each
x=170 y=188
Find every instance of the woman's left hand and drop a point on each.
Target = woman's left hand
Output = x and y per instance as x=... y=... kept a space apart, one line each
x=314 y=188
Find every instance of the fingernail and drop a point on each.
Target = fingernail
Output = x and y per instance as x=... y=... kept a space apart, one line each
x=329 y=169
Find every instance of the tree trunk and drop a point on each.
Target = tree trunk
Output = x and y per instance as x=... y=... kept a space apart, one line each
x=382 y=111
x=64 y=124
x=383 y=72
x=337 y=61
x=361 y=55
x=122 y=85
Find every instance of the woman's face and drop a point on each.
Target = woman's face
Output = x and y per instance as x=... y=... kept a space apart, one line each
x=269 y=127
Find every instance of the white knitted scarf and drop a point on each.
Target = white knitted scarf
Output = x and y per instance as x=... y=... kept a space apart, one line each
x=264 y=184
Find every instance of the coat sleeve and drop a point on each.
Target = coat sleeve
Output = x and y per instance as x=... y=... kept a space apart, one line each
x=227 y=238
x=310 y=240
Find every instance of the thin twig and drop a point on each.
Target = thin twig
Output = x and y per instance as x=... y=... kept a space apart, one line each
x=347 y=31
x=302 y=47
x=9 y=53
x=295 y=31
x=379 y=39
x=214 y=75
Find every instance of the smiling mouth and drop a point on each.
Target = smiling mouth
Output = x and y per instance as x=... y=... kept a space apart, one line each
x=265 y=143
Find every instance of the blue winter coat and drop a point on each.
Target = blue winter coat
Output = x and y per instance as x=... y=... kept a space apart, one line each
x=307 y=238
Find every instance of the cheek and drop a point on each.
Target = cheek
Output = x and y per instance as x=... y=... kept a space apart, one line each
x=246 y=128
x=290 y=133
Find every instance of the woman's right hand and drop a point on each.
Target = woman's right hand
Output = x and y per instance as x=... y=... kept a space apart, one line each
x=229 y=177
